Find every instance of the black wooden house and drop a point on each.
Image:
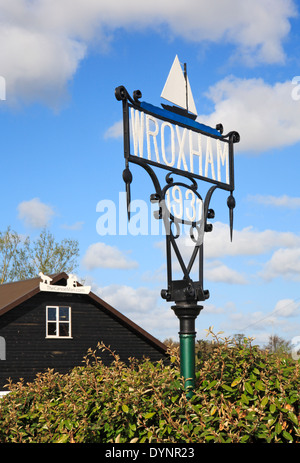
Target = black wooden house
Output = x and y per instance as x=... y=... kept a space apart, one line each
x=52 y=324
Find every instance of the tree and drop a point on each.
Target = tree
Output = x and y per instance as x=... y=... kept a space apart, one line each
x=278 y=345
x=49 y=257
x=21 y=259
x=239 y=339
x=13 y=254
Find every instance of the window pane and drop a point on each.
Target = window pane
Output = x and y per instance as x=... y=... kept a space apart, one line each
x=51 y=329
x=64 y=314
x=64 y=329
x=52 y=313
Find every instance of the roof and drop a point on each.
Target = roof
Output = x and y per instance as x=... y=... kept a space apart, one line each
x=13 y=294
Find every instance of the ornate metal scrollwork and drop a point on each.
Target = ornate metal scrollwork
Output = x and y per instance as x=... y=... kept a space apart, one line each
x=185 y=289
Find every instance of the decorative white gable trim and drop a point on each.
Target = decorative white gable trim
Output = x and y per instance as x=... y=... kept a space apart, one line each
x=71 y=287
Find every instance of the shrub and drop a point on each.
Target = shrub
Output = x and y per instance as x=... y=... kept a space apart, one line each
x=247 y=395
x=242 y=394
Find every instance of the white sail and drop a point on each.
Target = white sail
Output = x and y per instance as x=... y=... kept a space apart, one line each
x=175 y=89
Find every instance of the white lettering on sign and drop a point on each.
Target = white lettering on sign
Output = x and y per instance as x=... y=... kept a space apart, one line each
x=173 y=146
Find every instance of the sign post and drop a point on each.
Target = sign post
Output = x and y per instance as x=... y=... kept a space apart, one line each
x=170 y=139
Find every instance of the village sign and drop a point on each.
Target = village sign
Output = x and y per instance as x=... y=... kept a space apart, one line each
x=169 y=138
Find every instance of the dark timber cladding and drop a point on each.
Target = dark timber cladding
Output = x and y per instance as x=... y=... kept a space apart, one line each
x=29 y=351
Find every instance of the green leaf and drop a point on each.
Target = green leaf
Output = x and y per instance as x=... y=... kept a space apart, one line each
x=62 y=439
x=287 y=436
x=212 y=384
x=244 y=438
x=209 y=438
x=149 y=415
x=259 y=386
x=250 y=416
x=213 y=410
x=278 y=428
x=236 y=381
x=125 y=408
x=248 y=388
x=227 y=388
x=162 y=423
x=244 y=399
x=271 y=422
x=272 y=408
x=278 y=404
x=293 y=418
x=264 y=401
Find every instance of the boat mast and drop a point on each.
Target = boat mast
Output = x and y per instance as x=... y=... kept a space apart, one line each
x=186 y=85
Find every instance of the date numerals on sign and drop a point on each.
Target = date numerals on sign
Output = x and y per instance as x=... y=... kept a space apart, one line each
x=185 y=206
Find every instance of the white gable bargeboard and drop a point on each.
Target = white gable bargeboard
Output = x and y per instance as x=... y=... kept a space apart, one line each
x=71 y=287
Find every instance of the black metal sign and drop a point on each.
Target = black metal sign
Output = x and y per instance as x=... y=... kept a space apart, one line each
x=174 y=141
x=156 y=137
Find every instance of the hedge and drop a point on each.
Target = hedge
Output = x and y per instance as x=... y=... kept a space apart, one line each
x=242 y=395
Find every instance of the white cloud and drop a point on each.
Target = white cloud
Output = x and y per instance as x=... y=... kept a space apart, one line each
x=101 y=255
x=262 y=325
x=266 y=116
x=129 y=299
x=37 y=65
x=219 y=272
x=75 y=226
x=255 y=321
x=115 y=131
x=35 y=213
x=247 y=241
x=287 y=308
x=142 y=305
x=283 y=263
x=285 y=201
x=46 y=40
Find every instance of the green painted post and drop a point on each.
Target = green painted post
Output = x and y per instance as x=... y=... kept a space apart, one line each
x=187 y=362
x=187 y=314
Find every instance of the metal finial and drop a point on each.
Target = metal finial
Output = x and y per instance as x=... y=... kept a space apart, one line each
x=231 y=205
x=127 y=177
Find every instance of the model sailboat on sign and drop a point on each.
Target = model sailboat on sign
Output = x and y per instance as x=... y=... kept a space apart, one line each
x=177 y=90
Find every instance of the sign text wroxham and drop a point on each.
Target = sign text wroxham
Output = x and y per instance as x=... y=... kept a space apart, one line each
x=184 y=148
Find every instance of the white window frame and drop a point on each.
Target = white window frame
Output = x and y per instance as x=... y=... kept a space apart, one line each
x=57 y=321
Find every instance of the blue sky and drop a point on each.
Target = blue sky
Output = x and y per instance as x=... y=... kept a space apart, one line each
x=62 y=147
